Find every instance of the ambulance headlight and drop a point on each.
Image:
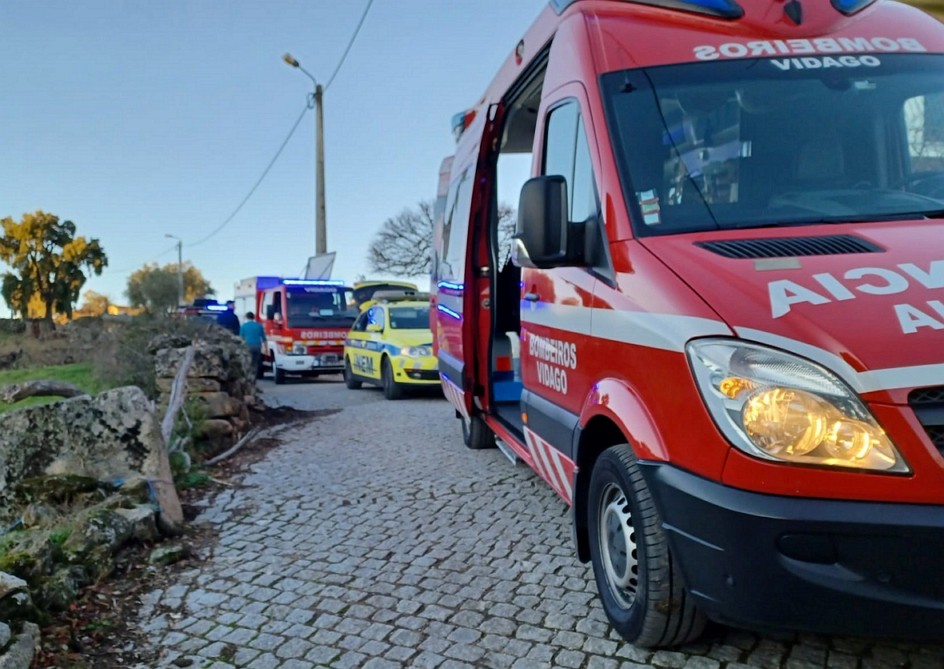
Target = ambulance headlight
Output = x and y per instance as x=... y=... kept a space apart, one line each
x=777 y=406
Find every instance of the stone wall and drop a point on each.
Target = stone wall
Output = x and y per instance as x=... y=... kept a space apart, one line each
x=221 y=384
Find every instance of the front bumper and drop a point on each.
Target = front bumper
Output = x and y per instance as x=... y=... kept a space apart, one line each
x=825 y=566
x=422 y=371
x=320 y=363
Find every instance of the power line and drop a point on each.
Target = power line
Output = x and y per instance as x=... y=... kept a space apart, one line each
x=308 y=105
x=349 y=45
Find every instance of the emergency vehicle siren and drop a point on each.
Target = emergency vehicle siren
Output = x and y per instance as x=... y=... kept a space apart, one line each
x=728 y=9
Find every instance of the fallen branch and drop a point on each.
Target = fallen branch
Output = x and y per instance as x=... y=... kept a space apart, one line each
x=238 y=445
x=19 y=391
x=171 y=516
x=178 y=393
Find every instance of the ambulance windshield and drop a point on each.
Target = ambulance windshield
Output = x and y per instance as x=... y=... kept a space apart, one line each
x=319 y=306
x=769 y=142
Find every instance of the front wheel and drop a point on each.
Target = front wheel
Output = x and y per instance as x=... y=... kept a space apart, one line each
x=349 y=379
x=278 y=374
x=392 y=389
x=639 y=583
x=475 y=433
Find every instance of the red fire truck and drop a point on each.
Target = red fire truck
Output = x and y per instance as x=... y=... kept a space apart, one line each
x=721 y=341
x=306 y=322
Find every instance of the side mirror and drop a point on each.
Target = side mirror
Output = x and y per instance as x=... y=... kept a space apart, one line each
x=374 y=327
x=545 y=238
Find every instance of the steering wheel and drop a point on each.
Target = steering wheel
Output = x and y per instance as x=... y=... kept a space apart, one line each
x=922 y=183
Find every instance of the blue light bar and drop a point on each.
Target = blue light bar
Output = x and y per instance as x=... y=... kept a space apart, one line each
x=724 y=9
x=449 y=312
x=216 y=307
x=849 y=7
x=311 y=282
x=448 y=285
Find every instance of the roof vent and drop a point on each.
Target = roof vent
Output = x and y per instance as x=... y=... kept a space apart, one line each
x=790 y=247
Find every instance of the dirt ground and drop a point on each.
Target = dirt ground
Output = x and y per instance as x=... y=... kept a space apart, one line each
x=98 y=631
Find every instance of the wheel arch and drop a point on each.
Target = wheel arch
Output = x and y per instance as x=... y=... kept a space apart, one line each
x=612 y=414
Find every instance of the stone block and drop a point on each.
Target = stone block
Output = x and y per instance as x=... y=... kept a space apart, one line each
x=112 y=436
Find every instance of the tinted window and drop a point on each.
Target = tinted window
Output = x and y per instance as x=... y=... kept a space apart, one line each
x=762 y=142
x=360 y=325
x=409 y=318
x=584 y=204
x=567 y=154
x=560 y=144
x=455 y=229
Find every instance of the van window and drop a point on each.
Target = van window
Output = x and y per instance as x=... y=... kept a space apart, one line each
x=451 y=264
x=566 y=153
x=760 y=142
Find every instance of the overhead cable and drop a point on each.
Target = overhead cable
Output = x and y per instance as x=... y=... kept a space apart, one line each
x=357 y=30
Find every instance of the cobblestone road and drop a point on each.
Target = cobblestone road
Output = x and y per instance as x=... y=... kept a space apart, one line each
x=372 y=538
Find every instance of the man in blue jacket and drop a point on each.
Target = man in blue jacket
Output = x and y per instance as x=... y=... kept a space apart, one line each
x=252 y=333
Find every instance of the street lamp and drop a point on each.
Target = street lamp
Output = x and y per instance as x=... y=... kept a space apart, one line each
x=180 y=269
x=321 y=233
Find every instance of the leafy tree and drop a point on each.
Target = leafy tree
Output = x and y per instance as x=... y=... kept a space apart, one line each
x=155 y=288
x=404 y=244
x=48 y=263
x=94 y=304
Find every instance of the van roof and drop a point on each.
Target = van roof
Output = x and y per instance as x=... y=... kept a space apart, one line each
x=670 y=31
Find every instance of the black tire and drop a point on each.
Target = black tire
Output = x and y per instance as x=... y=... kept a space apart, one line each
x=475 y=433
x=278 y=374
x=349 y=379
x=640 y=585
x=392 y=389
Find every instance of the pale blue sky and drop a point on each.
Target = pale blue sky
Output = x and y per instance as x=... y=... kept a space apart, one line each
x=140 y=119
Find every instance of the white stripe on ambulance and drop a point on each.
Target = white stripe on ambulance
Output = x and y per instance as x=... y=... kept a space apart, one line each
x=671 y=332
x=802 y=47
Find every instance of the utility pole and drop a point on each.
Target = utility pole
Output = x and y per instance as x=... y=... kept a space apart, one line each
x=321 y=230
x=180 y=269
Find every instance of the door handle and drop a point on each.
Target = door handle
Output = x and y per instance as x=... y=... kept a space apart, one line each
x=532 y=297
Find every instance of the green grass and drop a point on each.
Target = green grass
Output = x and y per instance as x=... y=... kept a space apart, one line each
x=79 y=374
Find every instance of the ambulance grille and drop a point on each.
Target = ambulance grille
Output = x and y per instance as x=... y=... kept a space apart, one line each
x=790 y=247
x=928 y=405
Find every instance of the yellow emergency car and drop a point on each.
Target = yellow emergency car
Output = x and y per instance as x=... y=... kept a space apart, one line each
x=390 y=345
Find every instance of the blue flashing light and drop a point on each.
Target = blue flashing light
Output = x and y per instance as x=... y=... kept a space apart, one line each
x=217 y=307
x=725 y=9
x=311 y=282
x=449 y=312
x=449 y=285
x=849 y=7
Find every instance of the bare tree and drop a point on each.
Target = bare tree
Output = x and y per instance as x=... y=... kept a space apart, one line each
x=404 y=244
x=402 y=247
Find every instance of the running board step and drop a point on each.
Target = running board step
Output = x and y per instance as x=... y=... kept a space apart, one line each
x=507 y=450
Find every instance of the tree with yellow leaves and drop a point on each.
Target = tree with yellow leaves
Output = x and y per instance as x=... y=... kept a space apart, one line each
x=48 y=263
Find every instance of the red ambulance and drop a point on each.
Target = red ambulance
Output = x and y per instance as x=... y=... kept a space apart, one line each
x=721 y=340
